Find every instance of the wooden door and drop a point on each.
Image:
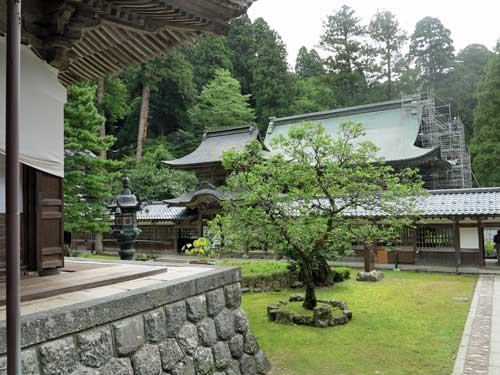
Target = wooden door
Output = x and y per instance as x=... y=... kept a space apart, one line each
x=49 y=222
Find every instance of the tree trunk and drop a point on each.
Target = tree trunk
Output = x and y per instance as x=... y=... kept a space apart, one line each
x=310 y=300
x=389 y=78
x=100 y=97
x=323 y=275
x=102 y=154
x=369 y=255
x=143 y=121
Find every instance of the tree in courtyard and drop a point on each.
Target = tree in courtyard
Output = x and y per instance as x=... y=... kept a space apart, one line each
x=302 y=200
x=389 y=38
x=432 y=50
x=87 y=177
x=485 y=143
x=221 y=104
x=308 y=64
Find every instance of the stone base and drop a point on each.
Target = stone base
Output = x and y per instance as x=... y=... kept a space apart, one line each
x=321 y=317
x=370 y=276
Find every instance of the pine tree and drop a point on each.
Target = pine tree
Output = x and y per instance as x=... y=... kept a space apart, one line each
x=88 y=178
x=350 y=58
x=389 y=38
x=221 y=104
x=432 y=50
x=308 y=64
x=485 y=143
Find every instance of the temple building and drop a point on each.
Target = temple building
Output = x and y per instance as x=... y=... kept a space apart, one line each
x=412 y=132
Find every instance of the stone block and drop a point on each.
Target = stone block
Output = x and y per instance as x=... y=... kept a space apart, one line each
x=206 y=332
x=322 y=316
x=29 y=363
x=250 y=345
x=176 y=317
x=240 y=321
x=222 y=355
x=196 y=308
x=236 y=345
x=146 y=361
x=203 y=361
x=248 y=365
x=187 y=338
x=171 y=354
x=215 y=301
x=155 y=325
x=233 y=295
x=186 y=367
x=224 y=324
x=82 y=370
x=234 y=368
x=262 y=364
x=129 y=335
x=372 y=276
x=58 y=357
x=118 y=366
x=95 y=346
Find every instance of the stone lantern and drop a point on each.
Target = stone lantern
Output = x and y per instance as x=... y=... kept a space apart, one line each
x=125 y=207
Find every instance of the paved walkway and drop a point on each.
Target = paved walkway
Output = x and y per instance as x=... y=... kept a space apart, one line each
x=479 y=352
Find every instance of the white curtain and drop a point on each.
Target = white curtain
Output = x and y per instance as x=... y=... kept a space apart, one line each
x=41 y=138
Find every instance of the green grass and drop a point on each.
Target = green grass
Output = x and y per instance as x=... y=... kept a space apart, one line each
x=94 y=256
x=256 y=267
x=407 y=324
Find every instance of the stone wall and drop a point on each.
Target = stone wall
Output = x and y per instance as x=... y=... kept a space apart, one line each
x=262 y=283
x=205 y=333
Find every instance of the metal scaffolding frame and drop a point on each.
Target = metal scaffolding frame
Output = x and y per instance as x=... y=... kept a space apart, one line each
x=440 y=129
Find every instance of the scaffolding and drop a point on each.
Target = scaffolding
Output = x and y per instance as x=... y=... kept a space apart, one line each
x=438 y=128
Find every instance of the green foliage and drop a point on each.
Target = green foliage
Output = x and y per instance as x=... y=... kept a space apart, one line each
x=432 y=50
x=207 y=56
x=485 y=143
x=243 y=46
x=300 y=205
x=115 y=103
x=309 y=64
x=273 y=85
x=153 y=181
x=88 y=178
x=341 y=274
x=221 y=104
x=489 y=248
x=253 y=268
x=201 y=248
x=312 y=95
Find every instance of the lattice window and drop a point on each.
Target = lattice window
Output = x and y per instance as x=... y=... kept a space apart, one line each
x=435 y=236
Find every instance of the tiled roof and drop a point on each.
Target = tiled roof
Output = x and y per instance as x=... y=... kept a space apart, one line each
x=452 y=202
x=163 y=212
x=215 y=143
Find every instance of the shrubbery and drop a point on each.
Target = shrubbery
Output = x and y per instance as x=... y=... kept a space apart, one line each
x=341 y=274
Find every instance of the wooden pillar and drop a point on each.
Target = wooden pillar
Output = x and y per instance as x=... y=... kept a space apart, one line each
x=369 y=256
x=414 y=242
x=246 y=246
x=200 y=224
x=480 y=233
x=458 y=254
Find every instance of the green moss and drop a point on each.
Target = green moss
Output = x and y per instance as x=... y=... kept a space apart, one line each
x=407 y=324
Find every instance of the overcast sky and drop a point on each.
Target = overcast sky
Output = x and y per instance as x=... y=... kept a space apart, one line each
x=300 y=22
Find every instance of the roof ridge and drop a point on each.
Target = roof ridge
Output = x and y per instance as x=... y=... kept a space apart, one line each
x=466 y=190
x=249 y=128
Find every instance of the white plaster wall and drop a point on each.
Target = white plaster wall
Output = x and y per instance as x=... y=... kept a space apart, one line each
x=469 y=238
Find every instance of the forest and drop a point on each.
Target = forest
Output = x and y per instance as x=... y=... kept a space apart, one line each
x=158 y=111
